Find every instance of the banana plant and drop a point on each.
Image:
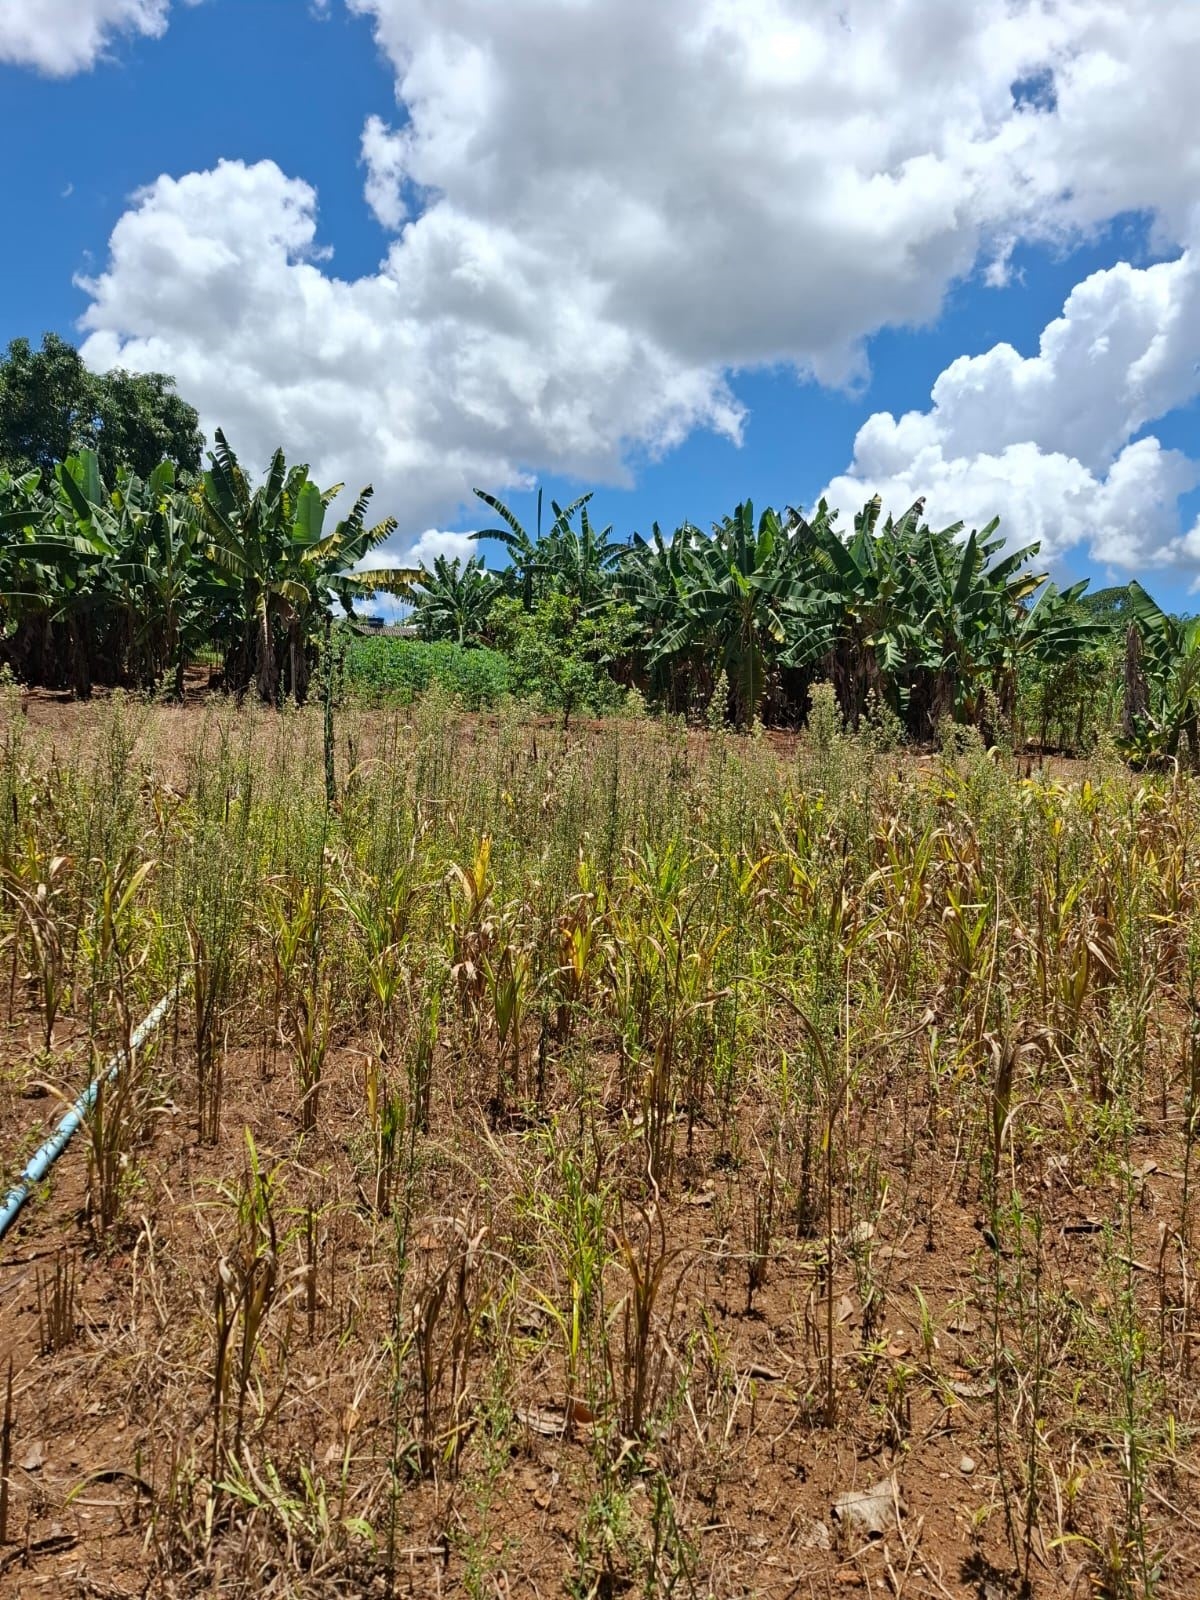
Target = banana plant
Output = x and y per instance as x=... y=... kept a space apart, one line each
x=1162 y=685
x=858 y=622
x=250 y=532
x=970 y=614
x=452 y=601
x=333 y=567
x=648 y=577
x=526 y=555
x=67 y=559
x=579 y=559
x=170 y=590
x=271 y=542
x=26 y=584
x=737 y=596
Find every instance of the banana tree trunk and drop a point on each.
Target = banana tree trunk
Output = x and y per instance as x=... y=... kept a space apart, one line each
x=1137 y=693
x=748 y=677
x=79 y=666
x=1191 y=740
x=943 y=698
x=298 y=664
x=238 y=667
x=268 y=666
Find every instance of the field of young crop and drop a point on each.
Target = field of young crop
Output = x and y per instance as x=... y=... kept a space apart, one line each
x=398 y=670
x=609 y=1162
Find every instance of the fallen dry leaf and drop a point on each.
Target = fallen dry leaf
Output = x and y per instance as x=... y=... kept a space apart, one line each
x=966 y=1390
x=868 y=1511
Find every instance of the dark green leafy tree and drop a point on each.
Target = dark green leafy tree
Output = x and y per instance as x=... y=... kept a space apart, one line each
x=142 y=421
x=1110 y=606
x=52 y=407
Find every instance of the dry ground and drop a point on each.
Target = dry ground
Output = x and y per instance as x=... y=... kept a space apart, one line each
x=591 y=1339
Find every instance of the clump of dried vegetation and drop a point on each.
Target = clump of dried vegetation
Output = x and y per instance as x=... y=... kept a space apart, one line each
x=617 y=1161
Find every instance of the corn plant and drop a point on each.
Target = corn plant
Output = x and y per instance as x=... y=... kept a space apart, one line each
x=380 y=912
x=116 y=1125
x=471 y=931
x=760 y=1227
x=210 y=993
x=56 y=1304
x=581 y=939
x=508 y=976
x=115 y=925
x=308 y=1027
x=247 y=1279
x=292 y=913
x=574 y=1219
x=387 y=1115
x=448 y=1301
x=644 y=1316
x=40 y=907
x=421 y=1061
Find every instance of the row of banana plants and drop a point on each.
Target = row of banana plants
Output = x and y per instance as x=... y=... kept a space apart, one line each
x=929 y=623
x=129 y=582
x=1162 y=685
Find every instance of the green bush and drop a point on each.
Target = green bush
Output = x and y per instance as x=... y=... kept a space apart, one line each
x=559 y=657
x=387 y=668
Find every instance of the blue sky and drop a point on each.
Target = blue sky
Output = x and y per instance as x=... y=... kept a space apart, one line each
x=407 y=240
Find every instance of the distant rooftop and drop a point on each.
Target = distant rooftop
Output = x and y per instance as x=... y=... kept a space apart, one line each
x=395 y=630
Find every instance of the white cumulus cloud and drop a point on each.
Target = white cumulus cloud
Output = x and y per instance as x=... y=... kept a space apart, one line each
x=435 y=542
x=420 y=552
x=1049 y=441
x=383 y=157
x=600 y=208
x=461 y=360
x=765 y=179
x=60 y=37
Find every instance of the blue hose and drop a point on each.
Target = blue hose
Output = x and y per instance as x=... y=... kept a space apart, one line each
x=45 y=1157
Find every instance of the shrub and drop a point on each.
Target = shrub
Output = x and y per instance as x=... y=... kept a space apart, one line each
x=558 y=656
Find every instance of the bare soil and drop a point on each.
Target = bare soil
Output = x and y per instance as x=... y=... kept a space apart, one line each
x=110 y=1432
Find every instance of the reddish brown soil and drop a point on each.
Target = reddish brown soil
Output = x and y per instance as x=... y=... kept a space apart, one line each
x=98 y=1425
x=752 y=1456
